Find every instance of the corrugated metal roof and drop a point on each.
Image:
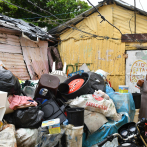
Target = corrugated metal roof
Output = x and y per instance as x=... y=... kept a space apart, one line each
x=31 y=31
x=80 y=17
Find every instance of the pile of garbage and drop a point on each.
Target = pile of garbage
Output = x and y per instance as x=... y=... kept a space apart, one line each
x=55 y=110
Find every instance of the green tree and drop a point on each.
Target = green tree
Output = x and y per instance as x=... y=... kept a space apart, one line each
x=63 y=9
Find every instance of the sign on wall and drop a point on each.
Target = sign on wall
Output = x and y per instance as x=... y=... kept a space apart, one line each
x=136 y=68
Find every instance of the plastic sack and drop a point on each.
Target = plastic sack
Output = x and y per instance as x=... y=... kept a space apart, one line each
x=97 y=104
x=96 y=82
x=28 y=118
x=9 y=83
x=26 y=137
x=124 y=103
x=45 y=139
x=101 y=94
x=94 y=120
x=74 y=136
x=7 y=136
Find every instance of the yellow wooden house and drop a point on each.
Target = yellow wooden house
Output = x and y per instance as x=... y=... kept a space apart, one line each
x=102 y=46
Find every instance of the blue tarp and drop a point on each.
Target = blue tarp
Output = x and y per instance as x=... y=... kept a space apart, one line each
x=107 y=129
x=124 y=103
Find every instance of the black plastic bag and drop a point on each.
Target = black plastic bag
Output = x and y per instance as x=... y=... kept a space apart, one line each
x=30 y=117
x=96 y=83
x=9 y=83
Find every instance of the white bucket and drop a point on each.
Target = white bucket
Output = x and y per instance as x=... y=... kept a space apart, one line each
x=136 y=115
x=74 y=136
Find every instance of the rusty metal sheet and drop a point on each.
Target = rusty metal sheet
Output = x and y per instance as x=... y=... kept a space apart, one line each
x=9 y=44
x=11 y=55
x=15 y=63
x=134 y=38
x=35 y=57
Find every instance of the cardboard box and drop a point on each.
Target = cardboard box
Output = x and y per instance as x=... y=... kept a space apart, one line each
x=53 y=125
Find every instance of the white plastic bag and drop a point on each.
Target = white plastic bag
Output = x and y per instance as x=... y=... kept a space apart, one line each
x=7 y=136
x=26 y=137
x=97 y=104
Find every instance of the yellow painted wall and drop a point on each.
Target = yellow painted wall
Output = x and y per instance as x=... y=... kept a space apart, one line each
x=106 y=54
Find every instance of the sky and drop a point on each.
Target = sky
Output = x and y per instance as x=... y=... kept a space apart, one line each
x=131 y=2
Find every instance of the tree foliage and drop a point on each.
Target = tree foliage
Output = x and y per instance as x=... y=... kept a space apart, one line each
x=63 y=9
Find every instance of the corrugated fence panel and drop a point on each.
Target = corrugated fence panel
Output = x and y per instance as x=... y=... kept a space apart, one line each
x=15 y=63
x=9 y=43
x=116 y=81
x=99 y=53
x=124 y=19
x=11 y=55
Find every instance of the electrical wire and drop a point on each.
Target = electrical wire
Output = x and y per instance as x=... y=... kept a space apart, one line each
x=55 y=15
x=65 y=23
x=105 y=37
x=92 y=35
x=50 y=20
x=25 y=9
x=43 y=10
x=141 y=5
x=129 y=24
x=103 y=18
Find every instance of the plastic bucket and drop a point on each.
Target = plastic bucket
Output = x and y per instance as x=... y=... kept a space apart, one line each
x=63 y=88
x=29 y=91
x=84 y=89
x=123 y=89
x=137 y=100
x=75 y=116
x=136 y=115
